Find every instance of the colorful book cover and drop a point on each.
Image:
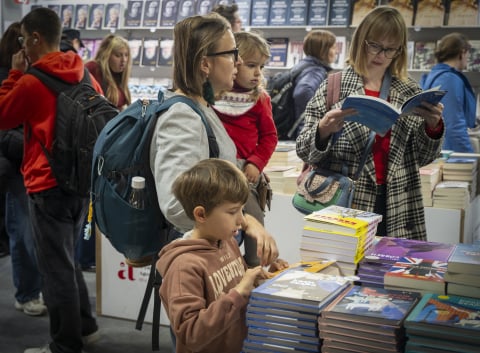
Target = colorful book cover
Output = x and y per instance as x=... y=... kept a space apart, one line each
x=373 y=305
x=389 y=250
x=424 y=55
x=474 y=57
x=318 y=13
x=339 y=13
x=67 y=16
x=168 y=16
x=81 y=16
x=112 y=16
x=260 y=12
x=302 y=287
x=360 y=9
x=97 y=12
x=133 y=14
x=430 y=13
x=340 y=219
x=451 y=314
x=462 y=13
x=421 y=274
x=150 y=13
x=465 y=258
x=278 y=13
x=297 y=16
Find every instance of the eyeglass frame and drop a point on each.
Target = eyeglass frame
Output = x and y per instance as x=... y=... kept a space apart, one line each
x=233 y=51
x=382 y=49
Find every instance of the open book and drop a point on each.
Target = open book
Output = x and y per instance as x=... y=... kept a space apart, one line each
x=379 y=115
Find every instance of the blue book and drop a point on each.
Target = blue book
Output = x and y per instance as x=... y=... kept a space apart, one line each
x=372 y=305
x=379 y=115
x=260 y=13
x=305 y=289
x=244 y=9
x=278 y=51
x=340 y=12
x=318 y=13
x=465 y=258
x=278 y=12
x=297 y=15
x=450 y=317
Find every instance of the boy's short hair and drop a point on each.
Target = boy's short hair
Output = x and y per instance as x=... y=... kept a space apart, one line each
x=210 y=183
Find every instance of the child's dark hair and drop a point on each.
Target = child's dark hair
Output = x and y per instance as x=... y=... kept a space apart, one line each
x=210 y=183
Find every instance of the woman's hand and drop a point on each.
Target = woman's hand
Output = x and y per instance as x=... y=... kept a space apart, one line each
x=432 y=114
x=332 y=122
x=267 y=250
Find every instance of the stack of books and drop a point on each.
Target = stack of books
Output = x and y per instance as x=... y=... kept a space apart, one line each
x=366 y=319
x=338 y=233
x=441 y=323
x=283 y=312
x=430 y=176
x=285 y=154
x=452 y=194
x=386 y=251
x=462 y=169
x=463 y=270
x=414 y=274
x=283 y=179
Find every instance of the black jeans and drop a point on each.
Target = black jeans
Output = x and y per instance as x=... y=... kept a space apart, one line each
x=57 y=220
x=381 y=208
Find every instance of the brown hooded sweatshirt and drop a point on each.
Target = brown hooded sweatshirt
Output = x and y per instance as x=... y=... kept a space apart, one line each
x=205 y=312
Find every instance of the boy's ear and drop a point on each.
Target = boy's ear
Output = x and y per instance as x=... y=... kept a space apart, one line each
x=199 y=214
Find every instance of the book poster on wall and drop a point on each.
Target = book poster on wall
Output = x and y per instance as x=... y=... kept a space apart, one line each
x=67 y=16
x=150 y=14
x=96 y=16
x=112 y=16
x=339 y=13
x=318 y=13
x=168 y=16
x=81 y=16
x=133 y=14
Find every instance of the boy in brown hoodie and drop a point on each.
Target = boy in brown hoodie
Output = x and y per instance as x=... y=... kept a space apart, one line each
x=206 y=283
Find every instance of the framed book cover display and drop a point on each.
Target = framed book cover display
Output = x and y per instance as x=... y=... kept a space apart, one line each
x=81 y=16
x=260 y=12
x=278 y=15
x=67 y=15
x=112 y=16
x=168 y=16
x=150 y=13
x=96 y=15
x=133 y=14
x=339 y=12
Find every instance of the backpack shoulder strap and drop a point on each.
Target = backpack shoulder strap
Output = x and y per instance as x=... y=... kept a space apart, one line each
x=54 y=83
x=212 y=141
x=333 y=88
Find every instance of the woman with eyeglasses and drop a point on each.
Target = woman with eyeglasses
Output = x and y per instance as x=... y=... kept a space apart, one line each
x=390 y=181
x=205 y=64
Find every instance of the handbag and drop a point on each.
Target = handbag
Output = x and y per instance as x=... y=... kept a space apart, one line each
x=264 y=192
x=319 y=188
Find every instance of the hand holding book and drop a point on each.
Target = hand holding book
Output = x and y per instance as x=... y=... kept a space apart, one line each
x=379 y=115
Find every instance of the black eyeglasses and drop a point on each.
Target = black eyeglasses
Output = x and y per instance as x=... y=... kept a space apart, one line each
x=375 y=49
x=233 y=52
x=21 y=40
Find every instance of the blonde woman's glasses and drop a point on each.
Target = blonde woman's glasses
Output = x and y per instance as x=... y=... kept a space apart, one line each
x=375 y=49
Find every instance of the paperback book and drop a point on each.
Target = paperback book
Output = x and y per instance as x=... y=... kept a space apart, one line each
x=430 y=13
x=379 y=115
x=340 y=12
x=259 y=344
x=308 y=289
x=405 y=7
x=446 y=316
x=278 y=12
x=297 y=16
x=150 y=13
x=260 y=12
x=244 y=9
x=360 y=10
x=133 y=14
x=372 y=305
x=465 y=258
x=462 y=13
x=342 y=220
x=424 y=55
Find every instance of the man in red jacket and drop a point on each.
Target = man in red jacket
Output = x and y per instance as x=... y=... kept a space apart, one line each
x=57 y=217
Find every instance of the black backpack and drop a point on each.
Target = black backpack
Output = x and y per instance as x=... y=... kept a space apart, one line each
x=280 y=88
x=81 y=114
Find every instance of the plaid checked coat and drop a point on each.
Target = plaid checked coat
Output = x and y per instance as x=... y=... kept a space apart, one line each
x=410 y=148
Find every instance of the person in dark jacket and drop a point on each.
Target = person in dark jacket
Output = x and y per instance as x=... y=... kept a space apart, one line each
x=71 y=40
x=320 y=48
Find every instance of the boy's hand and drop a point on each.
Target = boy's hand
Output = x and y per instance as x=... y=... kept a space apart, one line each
x=278 y=265
x=246 y=285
